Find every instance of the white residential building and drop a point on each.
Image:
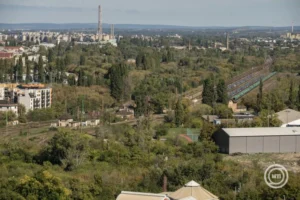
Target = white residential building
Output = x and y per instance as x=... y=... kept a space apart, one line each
x=34 y=96
x=9 y=107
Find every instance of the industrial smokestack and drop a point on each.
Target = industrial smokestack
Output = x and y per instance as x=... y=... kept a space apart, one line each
x=292 y=27
x=99 y=23
x=227 y=42
x=112 y=32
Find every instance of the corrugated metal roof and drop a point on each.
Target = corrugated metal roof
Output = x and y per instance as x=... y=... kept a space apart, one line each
x=237 y=132
x=141 y=196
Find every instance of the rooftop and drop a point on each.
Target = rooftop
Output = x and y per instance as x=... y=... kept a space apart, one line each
x=192 y=191
x=5 y=55
x=31 y=86
x=288 y=115
x=139 y=195
x=273 y=131
x=210 y=118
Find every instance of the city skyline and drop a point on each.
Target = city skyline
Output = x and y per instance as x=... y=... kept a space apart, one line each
x=191 y=13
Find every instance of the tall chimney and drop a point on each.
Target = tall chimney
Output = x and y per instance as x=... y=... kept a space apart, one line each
x=99 y=23
x=292 y=27
x=227 y=42
x=112 y=32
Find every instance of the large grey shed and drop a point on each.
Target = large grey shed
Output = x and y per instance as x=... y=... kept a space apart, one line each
x=258 y=140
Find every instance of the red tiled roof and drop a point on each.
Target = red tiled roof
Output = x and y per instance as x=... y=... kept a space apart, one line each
x=5 y=55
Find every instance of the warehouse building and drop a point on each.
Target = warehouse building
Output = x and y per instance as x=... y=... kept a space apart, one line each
x=258 y=140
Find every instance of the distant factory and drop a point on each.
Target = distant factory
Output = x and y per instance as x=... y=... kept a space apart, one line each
x=105 y=38
x=100 y=37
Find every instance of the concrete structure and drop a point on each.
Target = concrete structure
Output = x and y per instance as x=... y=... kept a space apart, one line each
x=291 y=36
x=65 y=122
x=34 y=96
x=289 y=118
x=141 y=196
x=258 y=140
x=125 y=113
x=7 y=93
x=235 y=107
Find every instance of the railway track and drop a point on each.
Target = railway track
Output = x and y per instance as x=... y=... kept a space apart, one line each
x=24 y=127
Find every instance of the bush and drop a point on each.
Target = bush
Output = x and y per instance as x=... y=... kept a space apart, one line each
x=41 y=115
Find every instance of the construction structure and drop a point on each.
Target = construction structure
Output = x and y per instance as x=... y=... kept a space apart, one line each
x=100 y=32
x=258 y=140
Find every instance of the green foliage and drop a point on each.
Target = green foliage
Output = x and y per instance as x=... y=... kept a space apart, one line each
x=208 y=94
x=118 y=74
x=222 y=92
x=82 y=60
x=179 y=113
x=66 y=148
x=42 y=186
x=41 y=114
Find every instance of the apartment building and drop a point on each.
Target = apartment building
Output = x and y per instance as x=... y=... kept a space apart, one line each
x=5 y=107
x=34 y=96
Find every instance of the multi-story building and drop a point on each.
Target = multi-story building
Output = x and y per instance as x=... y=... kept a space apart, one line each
x=34 y=96
x=5 y=107
x=7 y=92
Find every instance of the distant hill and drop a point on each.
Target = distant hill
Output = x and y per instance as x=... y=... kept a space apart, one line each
x=77 y=26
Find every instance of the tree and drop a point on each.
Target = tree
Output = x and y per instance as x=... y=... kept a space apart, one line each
x=179 y=113
x=259 y=96
x=20 y=70
x=71 y=80
x=298 y=98
x=22 y=113
x=50 y=55
x=208 y=96
x=291 y=100
x=41 y=73
x=82 y=60
x=67 y=148
x=42 y=186
x=67 y=59
x=222 y=92
x=27 y=79
x=117 y=74
x=81 y=78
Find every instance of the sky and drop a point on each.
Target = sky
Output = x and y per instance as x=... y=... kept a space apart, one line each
x=164 y=12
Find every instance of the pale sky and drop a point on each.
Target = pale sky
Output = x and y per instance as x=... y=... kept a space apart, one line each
x=166 y=12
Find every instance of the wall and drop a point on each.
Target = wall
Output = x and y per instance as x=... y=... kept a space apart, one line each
x=222 y=140
x=264 y=144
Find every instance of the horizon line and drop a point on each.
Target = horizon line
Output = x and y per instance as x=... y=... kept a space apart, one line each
x=139 y=24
